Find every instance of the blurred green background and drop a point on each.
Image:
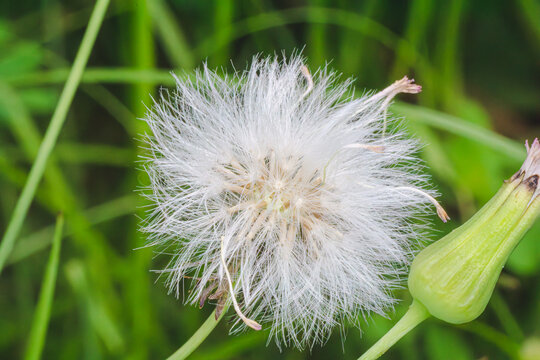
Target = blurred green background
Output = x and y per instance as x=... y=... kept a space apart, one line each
x=478 y=62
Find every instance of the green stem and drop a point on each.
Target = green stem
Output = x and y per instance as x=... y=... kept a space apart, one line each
x=36 y=339
x=200 y=335
x=414 y=316
x=57 y=121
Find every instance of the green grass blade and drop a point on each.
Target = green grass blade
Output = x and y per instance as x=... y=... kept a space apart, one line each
x=111 y=75
x=353 y=48
x=112 y=104
x=101 y=323
x=100 y=154
x=137 y=285
x=457 y=126
x=42 y=315
x=447 y=53
x=317 y=47
x=418 y=21
x=223 y=18
x=41 y=239
x=530 y=11
x=506 y=318
x=99 y=93
x=489 y=334
x=171 y=35
x=57 y=121
x=309 y=14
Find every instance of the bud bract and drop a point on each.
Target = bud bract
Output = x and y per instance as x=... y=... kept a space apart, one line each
x=455 y=276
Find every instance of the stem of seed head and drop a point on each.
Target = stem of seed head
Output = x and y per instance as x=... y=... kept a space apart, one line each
x=251 y=323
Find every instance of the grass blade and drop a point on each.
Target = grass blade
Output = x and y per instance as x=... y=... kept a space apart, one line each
x=41 y=239
x=530 y=10
x=137 y=285
x=457 y=126
x=100 y=323
x=108 y=75
x=57 y=121
x=174 y=41
x=38 y=332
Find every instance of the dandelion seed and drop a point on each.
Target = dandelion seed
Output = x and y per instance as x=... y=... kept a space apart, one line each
x=275 y=189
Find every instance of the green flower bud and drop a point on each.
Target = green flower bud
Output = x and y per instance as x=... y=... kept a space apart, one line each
x=455 y=276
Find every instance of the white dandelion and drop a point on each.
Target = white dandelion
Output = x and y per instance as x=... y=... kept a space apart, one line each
x=282 y=193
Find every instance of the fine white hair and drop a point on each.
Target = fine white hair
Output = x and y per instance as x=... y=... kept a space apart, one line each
x=280 y=192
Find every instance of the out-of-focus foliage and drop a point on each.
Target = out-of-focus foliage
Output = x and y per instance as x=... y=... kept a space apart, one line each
x=478 y=62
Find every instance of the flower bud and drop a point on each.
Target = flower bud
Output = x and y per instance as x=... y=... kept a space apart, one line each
x=455 y=276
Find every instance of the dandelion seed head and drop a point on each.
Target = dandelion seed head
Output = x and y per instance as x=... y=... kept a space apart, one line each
x=281 y=191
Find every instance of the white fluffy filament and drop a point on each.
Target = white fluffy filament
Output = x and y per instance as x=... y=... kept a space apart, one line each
x=279 y=186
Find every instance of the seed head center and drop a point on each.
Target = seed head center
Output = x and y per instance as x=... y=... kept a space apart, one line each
x=276 y=193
